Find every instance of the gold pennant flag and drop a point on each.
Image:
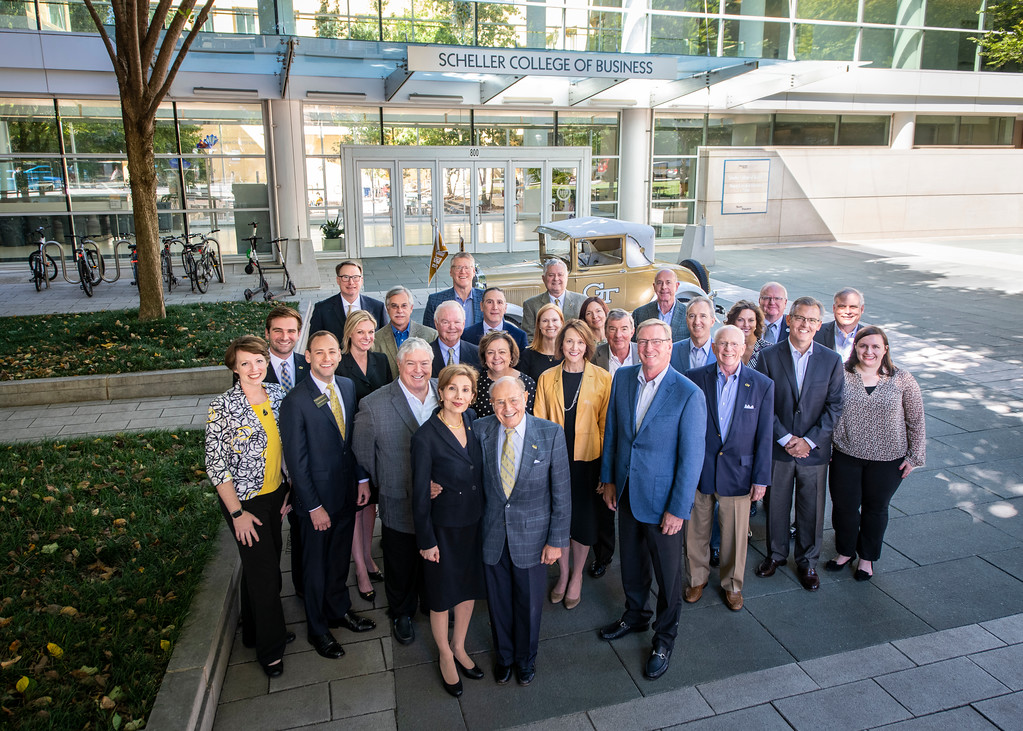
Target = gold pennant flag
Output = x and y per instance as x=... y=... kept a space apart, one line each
x=440 y=253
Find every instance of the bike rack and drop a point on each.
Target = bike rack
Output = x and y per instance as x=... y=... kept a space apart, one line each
x=60 y=258
x=117 y=260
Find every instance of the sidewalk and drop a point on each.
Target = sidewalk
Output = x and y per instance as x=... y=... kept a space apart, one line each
x=937 y=636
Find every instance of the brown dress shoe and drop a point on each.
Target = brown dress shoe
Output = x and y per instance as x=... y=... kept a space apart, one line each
x=734 y=600
x=809 y=579
x=768 y=567
x=693 y=594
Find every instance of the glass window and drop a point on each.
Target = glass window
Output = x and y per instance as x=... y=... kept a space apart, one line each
x=597 y=131
x=824 y=42
x=671 y=176
x=27 y=126
x=948 y=50
x=98 y=184
x=756 y=39
x=18 y=233
x=669 y=219
x=19 y=14
x=805 y=129
x=877 y=46
x=742 y=130
x=514 y=129
x=863 y=129
x=953 y=13
x=827 y=9
x=34 y=182
x=421 y=127
x=237 y=128
x=677 y=135
x=604 y=184
x=985 y=130
x=327 y=128
x=935 y=130
x=880 y=11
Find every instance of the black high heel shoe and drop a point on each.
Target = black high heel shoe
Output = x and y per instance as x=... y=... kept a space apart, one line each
x=833 y=565
x=453 y=689
x=473 y=673
x=376 y=576
x=369 y=596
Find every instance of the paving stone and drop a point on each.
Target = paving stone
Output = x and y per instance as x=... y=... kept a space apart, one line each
x=949 y=534
x=929 y=491
x=244 y=680
x=751 y=689
x=960 y=719
x=954 y=593
x=379 y=721
x=853 y=707
x=652 y=712
x=572 y=722
x=305 y=668
x=992 y=444
x=935 y=427
x=761 y=718
x=842 y=616
x=1008 y=629
x=955 y=642
x=422 y=702
x=287 y=709
x=1004 y=712
x=363 y=694
x=1002 y=477
x=848 y=667
x=941 y=685
x=1003 y=515
x=64 y=420
x=1004 y=664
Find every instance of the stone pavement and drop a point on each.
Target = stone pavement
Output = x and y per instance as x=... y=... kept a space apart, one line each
x=934 y=641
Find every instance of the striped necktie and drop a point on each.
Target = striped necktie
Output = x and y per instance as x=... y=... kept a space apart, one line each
x=451 y=356
x=508 y=463
x=335 y=408
x=286 y=382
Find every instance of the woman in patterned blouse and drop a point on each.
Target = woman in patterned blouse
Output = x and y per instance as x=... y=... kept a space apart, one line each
x=244 y=459
x=748 y=317
x=878 y=441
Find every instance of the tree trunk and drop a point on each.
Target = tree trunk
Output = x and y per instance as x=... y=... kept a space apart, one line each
x=138 y=137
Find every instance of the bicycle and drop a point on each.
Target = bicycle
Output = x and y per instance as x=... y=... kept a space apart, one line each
x=88 y=263
x=210 y=259
x=167 y=262
x=195 y=270
x=42 y=265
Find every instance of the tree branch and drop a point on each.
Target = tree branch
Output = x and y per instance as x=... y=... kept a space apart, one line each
x=163 y=57
x=131 y=54
x=155 y=26
x=185 y=46
x=102 y=33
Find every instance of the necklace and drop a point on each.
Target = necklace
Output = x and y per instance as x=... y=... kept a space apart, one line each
x=449 y=426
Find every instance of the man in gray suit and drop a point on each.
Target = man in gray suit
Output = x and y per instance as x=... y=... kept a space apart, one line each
x=840 y=333
x=384 y=426
x=555 y=280
x=401 y=327
x=527 y=505
x=619 y=350
x=666 y=307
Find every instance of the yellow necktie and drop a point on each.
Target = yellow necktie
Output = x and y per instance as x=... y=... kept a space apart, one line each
x=335 y=408
x=508 y=463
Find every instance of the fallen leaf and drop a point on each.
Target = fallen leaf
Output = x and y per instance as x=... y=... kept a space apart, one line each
x=54 y=649
x=22 y=685
x=164 y=645
x=49 y=548
x=7 y=663
x=69 y=611
x=106 y=704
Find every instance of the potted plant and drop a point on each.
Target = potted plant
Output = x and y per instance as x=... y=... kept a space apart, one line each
x=333 y=234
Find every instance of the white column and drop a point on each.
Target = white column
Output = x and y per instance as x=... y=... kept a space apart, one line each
x=290 y=193
x=633 y=184
x=903 y=130
x=909 y=43
x=634 y=26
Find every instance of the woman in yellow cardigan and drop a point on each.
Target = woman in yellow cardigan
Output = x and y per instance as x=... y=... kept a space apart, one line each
x=575 y=394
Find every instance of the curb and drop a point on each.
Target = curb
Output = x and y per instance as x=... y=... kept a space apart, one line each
x=71 y=389
x=188 y=696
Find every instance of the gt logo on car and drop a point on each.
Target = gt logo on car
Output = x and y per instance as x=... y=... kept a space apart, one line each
x=596 y=289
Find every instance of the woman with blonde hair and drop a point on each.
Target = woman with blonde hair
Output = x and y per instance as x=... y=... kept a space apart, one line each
x=542 y=353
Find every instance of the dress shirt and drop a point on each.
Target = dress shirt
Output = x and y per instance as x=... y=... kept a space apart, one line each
x=666 y=316
x=647 y=391
x=401 y=336
x=843 y=343
x=518 y=437
x=421 y=410
x=698 y=356
x=275 y=363
x=456 y=349
x=559 y=301
x=352 y=306
x=613 y=364
x=487 y=329
x=772 y=329
x=799 y=363
x=727 y=387
x=469 y=307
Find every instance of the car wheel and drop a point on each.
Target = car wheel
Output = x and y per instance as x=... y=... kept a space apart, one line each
x=699 y=271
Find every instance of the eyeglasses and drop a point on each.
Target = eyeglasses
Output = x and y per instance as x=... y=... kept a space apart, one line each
x=350 y=277
x=764 y=298
x=461 y=269
x=800 y=320
x=656 y=342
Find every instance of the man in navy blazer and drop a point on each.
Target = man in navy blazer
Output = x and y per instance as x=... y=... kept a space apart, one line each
x=653 y=454
x=527 y=508
x=330 y=314
x=449 y=347
x=469 y=298
x=808 y=392
x=840 y=333
x=695 y=351
x=493 y=310
x=773 y=300
x=327 y=485
x=736 y=464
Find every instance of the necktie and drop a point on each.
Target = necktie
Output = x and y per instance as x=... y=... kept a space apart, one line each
x=335 y=408
x=557 y=301
x=286 y=382
x=508 y=463
x=772 y=332
x=451 y=356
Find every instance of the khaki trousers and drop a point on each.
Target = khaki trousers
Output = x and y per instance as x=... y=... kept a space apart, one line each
x=733 y=519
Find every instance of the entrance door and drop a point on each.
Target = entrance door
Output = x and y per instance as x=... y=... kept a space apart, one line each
x=417 y=212
x=375 y=212
x=474 y=210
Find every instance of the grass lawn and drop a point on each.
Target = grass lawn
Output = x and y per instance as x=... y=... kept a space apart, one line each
x=104 y=542
x=91 y=343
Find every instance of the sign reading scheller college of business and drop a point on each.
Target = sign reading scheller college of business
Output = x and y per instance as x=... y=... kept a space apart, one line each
x=517 y=62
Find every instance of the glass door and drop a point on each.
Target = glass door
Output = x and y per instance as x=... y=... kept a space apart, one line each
x=528 y=211
x=564 y=193
x=490 y=231
x=375 y=210
x=417 y=210
x=456 y=212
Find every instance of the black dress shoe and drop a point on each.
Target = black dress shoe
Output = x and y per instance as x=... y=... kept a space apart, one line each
x=453 y=689
x=597 y=569
x=525 y=674
x=402 y=629
x=752 y=509
x=473 y=673
x=502 y=673
x=368 y=596
x=275 y=670
x=355 y=623
x=861 y=575
x=767 y=567
x=833 y=565
x=376 y=576
x=809 y=579
x=326 y=646
x=620 y=628
x=289 y=638
x=657 y=663
x=792 y=532
x=715 y=557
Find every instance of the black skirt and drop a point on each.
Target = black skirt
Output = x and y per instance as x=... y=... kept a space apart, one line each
x=585 y=500
x=459 y=575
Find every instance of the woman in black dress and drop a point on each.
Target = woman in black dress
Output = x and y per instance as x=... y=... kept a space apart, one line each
x=448 y=527
x=499 y=355
x=368 y=371
x=542 y=352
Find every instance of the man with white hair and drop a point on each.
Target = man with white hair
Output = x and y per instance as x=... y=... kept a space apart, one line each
x=449 y=348
x=555 y=281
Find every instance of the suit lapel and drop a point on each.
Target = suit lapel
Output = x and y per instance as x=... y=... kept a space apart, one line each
x=401 y=406
x=324 y=408
x=529 y=451
x=710 y=390
x=789 y=369
x=811 y=367
x=447 y=436
x=662 y=396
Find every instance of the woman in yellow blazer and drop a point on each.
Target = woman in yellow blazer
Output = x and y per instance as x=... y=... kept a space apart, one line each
x=575 y=394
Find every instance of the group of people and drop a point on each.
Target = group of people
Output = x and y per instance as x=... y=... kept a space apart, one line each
x=490 y=453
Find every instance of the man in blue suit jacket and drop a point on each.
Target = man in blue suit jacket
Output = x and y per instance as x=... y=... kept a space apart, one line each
x=493 y=310
x=736 y=464
x=526 y=517
x=695 y=351
x=331 y=313
x=327 y=486
x=809 y=386
x=653 y=455
x=463 y=267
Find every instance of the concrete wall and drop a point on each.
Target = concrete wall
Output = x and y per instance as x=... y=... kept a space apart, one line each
x=824 y=194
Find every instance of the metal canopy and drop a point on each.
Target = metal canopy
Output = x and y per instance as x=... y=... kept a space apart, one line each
x=676 y=89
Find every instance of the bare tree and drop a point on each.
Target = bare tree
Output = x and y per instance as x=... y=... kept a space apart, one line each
x=145 y=61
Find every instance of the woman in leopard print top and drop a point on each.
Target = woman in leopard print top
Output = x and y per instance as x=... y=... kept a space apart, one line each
x=878 y=441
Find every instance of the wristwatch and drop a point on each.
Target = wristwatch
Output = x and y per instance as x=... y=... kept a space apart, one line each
x=237 y=513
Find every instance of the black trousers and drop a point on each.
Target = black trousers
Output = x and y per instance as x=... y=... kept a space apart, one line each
x=860 y=492
x=295 y=523
x=261 y=612
x=403 y=572
x=515 y=601
x=647 y=553
x=604 y=548
x=807 y=482
x=326 y=555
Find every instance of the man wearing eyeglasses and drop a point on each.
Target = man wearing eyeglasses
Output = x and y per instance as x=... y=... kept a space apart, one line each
x=463 y=267
x=330 y=314
x=808 y=391
x=654 y=437
x=773 y=299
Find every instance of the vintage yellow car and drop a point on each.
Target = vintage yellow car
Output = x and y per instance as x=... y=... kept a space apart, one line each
x=606 y=258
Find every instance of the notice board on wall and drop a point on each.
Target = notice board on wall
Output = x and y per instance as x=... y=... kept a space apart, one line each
x=744 y=186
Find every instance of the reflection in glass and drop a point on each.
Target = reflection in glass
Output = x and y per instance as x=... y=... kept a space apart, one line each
x=824 y=42
x=421 y=127
x=37 y=181
x=490 y=205
x=18 y=233
x=677 y=135
x=528 y=205
x=671 y=177
x=564 y=191
x=456 y=215
x=948 y=50
x=669 y=219
x=738 y=130
x=328 y=127
x=375 y=198
x=863 y=129
x=27 y=126
x=604 y=180
x=804 y=129
x=417 y=200
x=502 y=128
x=597 y=131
